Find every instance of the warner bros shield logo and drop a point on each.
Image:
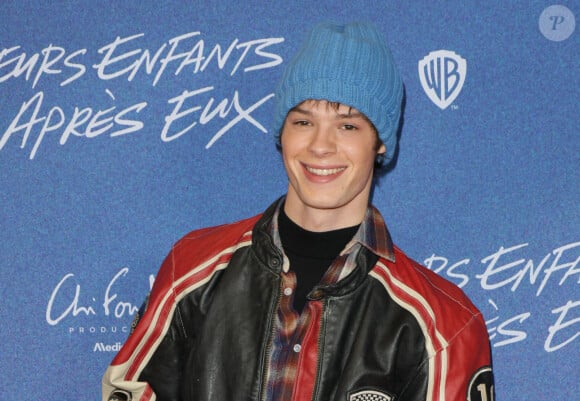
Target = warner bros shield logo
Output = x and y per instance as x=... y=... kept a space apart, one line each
x=442 y=74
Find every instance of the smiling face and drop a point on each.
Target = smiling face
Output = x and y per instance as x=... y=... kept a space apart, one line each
x=329 y=154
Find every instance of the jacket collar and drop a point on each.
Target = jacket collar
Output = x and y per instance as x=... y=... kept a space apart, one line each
x=373 y=235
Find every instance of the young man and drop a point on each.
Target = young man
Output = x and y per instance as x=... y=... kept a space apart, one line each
x=311 y=300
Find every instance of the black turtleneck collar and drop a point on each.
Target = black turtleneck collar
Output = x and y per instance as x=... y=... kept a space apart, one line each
x=311 y=244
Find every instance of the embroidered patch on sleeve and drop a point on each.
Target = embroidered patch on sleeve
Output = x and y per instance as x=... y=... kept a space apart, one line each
x=481 y=386
x=369 y=395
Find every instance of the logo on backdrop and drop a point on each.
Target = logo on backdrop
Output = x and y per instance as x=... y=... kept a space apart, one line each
x=557 y=23
x=104 y=312
x=442 y=74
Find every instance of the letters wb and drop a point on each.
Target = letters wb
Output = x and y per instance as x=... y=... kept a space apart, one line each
x=442 y=74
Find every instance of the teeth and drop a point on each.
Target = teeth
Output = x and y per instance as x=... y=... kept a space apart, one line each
x=324 y=171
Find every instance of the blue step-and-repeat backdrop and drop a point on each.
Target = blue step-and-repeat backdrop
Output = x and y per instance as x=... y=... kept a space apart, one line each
x=124 y=125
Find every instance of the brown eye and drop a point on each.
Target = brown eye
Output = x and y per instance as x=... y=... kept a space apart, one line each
x=349 y=127
x=301 y=123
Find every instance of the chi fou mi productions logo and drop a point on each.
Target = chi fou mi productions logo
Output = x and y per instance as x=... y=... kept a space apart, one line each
x=442 y=74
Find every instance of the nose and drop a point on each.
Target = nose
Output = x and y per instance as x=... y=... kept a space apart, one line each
x=323 y=141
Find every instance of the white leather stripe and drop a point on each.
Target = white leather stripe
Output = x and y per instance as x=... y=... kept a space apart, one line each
x=395 y=286
x=165 y=323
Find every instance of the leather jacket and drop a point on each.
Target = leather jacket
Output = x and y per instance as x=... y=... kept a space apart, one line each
x=392 y=329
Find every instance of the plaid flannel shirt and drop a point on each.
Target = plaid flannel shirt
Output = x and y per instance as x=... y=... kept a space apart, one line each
x=291 y=326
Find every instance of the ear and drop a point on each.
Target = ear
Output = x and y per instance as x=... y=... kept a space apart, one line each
x=382 y=149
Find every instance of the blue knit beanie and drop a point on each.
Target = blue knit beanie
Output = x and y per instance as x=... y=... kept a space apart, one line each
x=350 y=64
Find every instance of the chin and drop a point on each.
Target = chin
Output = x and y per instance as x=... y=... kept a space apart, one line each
x=327 y=202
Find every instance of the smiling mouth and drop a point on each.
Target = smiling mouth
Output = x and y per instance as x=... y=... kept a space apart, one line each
x=324 y=171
